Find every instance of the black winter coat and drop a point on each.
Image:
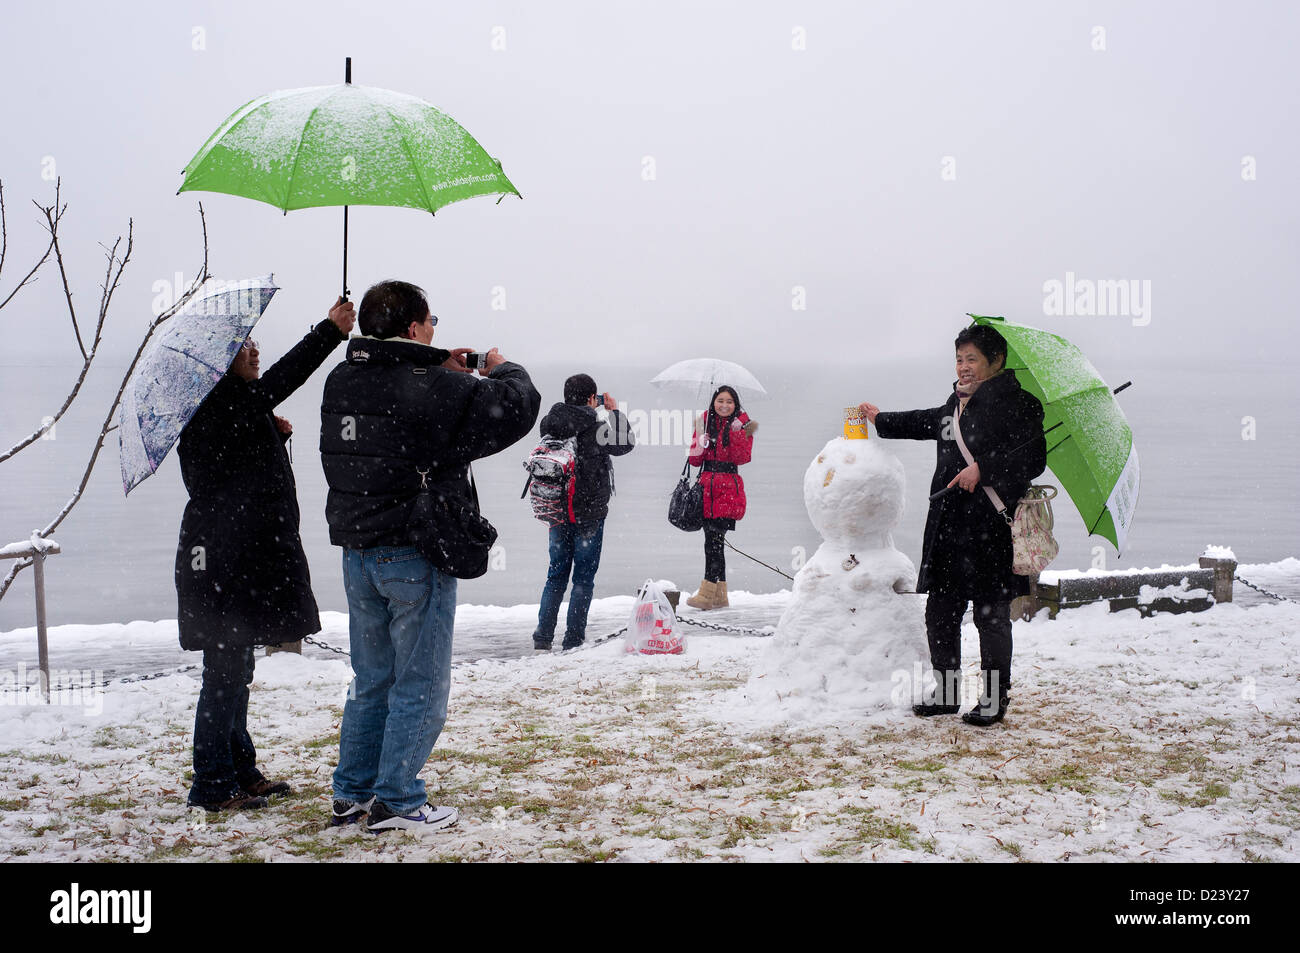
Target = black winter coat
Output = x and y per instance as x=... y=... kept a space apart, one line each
x=597 y=442
x=241 y=573
x=389 y=410
x=967 y=550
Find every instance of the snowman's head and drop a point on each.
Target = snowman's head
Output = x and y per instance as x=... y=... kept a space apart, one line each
x=854 y=493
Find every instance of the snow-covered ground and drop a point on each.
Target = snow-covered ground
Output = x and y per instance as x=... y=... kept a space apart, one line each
x=1170 y=738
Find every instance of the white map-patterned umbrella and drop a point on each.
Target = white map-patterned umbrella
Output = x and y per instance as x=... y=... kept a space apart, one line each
x=703 y=375
x=180 y=368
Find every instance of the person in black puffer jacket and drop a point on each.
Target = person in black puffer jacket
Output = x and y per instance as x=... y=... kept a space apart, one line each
x=601 y=432
x=395 y=407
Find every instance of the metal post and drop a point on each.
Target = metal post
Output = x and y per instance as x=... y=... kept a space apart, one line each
x=37 y=547
x=42 y=643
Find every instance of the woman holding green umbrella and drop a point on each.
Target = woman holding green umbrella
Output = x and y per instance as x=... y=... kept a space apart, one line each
x=989 y=433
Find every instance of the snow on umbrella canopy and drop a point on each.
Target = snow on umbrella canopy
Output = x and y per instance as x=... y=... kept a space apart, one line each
x=180 y=368
x=703 y=375
x=344 y=145
x=1089 y=441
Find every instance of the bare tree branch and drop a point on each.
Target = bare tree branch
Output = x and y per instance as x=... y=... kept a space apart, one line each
x=48 y=248
x=111 y=281
x=63 y=273
x=4 y=229
x=109 y=287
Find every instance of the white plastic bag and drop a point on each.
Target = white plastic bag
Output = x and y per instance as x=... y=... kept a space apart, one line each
x=653 y=628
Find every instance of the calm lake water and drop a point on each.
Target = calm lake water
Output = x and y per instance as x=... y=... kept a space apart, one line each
x=1201 y=483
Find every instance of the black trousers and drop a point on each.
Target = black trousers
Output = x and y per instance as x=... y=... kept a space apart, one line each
x=943 y=614
x=224 y=756
x=715 y=560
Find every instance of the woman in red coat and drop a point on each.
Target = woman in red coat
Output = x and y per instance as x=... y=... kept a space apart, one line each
x=723 y=440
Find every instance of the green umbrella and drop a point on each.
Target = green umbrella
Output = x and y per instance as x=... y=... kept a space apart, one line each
x=344 y=145
x=1089 y=441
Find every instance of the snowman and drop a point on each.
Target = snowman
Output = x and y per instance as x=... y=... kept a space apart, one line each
x=853 y=637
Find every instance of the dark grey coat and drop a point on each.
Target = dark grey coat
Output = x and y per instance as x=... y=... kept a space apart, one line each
x=597 y=442
x=967 y=550
x=241 y=573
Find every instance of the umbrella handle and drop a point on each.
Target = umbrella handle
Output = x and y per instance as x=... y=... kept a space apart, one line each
x=345 y=253
x=347 y=78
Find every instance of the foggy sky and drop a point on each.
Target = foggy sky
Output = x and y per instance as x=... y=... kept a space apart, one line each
x=775 y=168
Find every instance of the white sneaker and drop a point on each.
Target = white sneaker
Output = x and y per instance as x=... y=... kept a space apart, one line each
x=423 y=820
x=349 y=812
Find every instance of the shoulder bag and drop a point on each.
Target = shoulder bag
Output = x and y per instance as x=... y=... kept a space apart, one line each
x=448 y=530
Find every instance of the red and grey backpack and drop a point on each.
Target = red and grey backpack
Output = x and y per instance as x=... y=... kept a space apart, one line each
x=552 y=479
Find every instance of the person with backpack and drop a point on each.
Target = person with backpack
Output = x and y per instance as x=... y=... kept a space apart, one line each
x=578 y=438
x=723 y=440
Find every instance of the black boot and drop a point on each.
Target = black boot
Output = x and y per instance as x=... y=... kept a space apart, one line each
x=983 y=718
x=927 y=709
x=984 y=713
x=946 y=698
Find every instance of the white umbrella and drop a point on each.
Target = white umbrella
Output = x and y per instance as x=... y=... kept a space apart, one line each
x=703 y=375
x=182 y=366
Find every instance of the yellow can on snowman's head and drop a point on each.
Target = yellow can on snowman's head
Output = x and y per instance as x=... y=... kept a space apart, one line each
x=855 y=424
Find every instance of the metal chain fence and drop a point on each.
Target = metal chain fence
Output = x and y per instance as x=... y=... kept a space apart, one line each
x=1271 y=595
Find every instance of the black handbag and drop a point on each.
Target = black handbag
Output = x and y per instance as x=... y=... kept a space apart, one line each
x=686 y=508
x=449 y=531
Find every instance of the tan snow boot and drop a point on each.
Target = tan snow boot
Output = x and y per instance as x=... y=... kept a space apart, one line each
x=704 y=598
x=720 y=597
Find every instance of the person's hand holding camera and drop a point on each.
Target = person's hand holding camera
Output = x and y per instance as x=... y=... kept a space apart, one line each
x=457 y=360
x=491 y=361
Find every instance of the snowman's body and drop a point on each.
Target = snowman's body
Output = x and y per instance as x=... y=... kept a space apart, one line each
x=849 y=641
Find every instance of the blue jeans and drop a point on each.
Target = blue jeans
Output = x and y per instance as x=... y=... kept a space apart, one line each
x=577 y=546
x=401 y=612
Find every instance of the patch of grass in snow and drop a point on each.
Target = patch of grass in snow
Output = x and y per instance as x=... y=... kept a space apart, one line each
x=1012 y=848
x=116 y=736
x=868 y=829
x=742 y=826
x=1182 y=758
x=99 y=803
x=927 y=765
x=46 y=758
x=1072 y=775
x=581 y=850
x=1206 y=796
x=325 y=741
x=13 y=804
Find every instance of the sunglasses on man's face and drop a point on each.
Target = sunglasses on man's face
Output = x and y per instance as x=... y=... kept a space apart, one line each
x=249 y=345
